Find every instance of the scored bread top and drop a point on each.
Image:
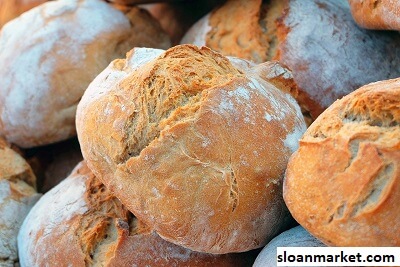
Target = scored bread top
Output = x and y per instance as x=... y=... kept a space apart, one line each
x=345 y=176
x=194 y=145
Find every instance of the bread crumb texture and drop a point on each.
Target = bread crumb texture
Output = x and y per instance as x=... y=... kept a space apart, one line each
x=343 y=182
x=80 y=222
x=193 y=146
x=66 y=44
x=17 y=196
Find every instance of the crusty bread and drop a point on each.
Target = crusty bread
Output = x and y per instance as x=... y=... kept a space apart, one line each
x=193 y=144
x=328 y=54
x=343 y=183
x=80 y=223
x=17 y=196
x=65 y=45
x=10 y=9
x=295 y=237
x=377 y=15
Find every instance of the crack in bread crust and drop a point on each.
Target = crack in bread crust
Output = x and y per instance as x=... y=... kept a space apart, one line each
x=175 y=84
x=348 y=160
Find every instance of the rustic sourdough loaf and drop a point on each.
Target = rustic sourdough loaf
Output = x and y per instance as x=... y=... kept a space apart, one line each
x=376 y=14
x=343 y=183
x=194 y=144
x=17 y=196
x=80 y=223
x=328 y=54
x=65 y=45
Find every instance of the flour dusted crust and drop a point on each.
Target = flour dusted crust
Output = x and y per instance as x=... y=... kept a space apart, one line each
x=295 y=237
x=328 y=54
x=17 y=196
x=10 y=9
x=194 y=145
x=66 y=44
x=376 y=14
x=343 y=183
x=81 y=223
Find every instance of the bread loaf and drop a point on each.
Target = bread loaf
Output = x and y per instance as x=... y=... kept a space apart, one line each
x=343 y=183
x=378 y=15
x=195 y=145
x=80 y=223
x=17 y=196
x=328 y=54
x=65 y=45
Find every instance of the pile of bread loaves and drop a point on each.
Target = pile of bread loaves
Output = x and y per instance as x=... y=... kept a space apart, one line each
x=196 y=133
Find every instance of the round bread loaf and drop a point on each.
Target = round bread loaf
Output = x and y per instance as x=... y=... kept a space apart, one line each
x=81 y=223
x=328 y=54
x=295 y=237
x=65 y=45
x=10 y=9
x=195 y=145
x=17 y=196
x=378 y=15
x=343 y=183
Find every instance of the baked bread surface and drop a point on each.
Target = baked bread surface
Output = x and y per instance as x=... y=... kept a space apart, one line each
x=193 y=144
x=65 y=45
x=328 y=53
x=80 y=223
x=342 y=184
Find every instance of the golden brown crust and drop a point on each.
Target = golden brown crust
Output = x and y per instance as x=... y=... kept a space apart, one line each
x=342 y=183
x=245 y=39
x=85 y=225
x=376 y=14
x=175 y=146
x=13 y=167
x=328 y=54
